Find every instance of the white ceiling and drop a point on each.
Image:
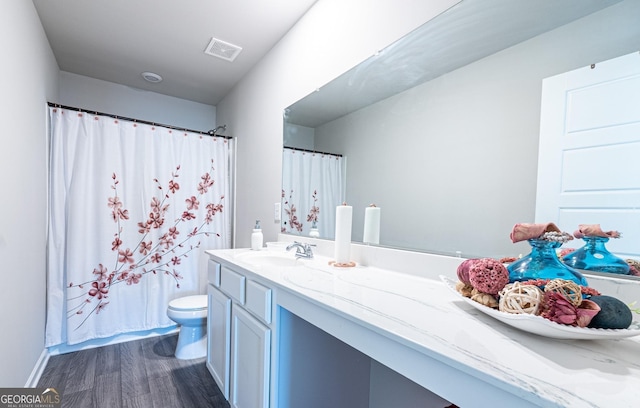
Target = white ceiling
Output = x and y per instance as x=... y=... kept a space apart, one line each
x=117 y=40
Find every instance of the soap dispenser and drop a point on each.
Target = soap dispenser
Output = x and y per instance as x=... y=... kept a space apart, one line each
x=256 y=237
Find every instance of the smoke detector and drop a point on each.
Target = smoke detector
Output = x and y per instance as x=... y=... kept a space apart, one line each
x=151 y=77
x=222 y=49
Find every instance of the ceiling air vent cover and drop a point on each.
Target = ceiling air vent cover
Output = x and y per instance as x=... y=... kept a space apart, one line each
x=222 y=49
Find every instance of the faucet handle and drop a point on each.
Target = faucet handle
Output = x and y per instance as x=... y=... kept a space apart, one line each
x=299 y=246
x=303 y=249
x=302 y=244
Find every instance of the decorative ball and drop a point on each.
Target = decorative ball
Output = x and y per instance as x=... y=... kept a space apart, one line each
x=569 y=289
x=464 y=289
x=518 y=298
x=463 y=270
x=613 y=314
x=488 y=275
x=485 y=299
x=634 y=267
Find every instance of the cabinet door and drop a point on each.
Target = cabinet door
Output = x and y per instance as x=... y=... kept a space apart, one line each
x=251 y=343
x=219 y=338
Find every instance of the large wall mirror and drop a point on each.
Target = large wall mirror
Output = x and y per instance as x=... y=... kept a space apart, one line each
x=440 y=130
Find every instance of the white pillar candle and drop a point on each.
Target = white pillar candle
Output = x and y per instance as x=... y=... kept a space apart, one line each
x=344 y=215
x=371 y=233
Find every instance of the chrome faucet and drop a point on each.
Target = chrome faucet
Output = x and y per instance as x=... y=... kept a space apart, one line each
x=302 y=250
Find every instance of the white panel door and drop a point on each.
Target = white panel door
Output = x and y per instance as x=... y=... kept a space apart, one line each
x=219 y=338
x=250 y=346
x=589 y=154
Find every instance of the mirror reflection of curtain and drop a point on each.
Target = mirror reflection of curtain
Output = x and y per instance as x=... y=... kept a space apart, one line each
x=132 y=209
x=312 y=187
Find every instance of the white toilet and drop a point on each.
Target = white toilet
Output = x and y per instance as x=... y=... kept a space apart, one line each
x=190 y=312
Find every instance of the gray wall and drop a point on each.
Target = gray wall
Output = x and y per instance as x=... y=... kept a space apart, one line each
x=332 y=37
x=83 y=92
x=453 y=162
x=298 y=136
x=28 y=78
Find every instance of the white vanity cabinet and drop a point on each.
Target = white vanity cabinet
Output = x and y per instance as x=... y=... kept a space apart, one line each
x=239 y=336
x=308 y=335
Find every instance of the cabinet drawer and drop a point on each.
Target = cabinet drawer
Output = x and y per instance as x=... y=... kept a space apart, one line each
x=259 y=301
x=213 y=273
x=232 y=283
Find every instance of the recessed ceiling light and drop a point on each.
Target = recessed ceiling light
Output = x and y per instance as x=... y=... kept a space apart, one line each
x=151 y=77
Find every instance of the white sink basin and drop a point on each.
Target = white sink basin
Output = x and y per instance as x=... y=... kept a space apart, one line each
x=270 y=258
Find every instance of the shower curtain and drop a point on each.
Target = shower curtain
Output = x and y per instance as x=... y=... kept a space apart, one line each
x=132 y=209
x=312 y=187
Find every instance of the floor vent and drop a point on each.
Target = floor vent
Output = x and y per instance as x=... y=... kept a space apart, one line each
x=222 y=49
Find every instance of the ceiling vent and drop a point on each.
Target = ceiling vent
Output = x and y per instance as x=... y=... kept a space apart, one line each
x=222 y=49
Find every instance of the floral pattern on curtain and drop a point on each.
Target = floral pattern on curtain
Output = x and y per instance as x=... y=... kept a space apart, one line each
x=132 y=209
x=312 y=187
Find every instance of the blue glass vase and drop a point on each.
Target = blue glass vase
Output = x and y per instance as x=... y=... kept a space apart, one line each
x=543 y=263
x=594 y=256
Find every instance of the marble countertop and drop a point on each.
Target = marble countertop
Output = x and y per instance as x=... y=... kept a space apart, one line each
x=423 y=314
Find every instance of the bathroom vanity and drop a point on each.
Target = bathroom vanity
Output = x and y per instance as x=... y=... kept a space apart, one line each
x=287 y=332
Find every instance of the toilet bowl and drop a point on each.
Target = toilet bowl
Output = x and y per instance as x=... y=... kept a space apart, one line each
x=190 y=312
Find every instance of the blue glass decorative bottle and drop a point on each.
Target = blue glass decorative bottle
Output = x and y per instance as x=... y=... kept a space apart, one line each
x=594 y=256
x=543 y=263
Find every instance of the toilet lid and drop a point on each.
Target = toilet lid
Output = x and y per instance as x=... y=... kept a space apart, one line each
x=196 y=302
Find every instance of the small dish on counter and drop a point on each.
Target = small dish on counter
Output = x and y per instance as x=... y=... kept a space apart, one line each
x=544 y=327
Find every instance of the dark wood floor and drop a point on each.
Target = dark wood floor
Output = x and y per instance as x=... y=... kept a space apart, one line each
x=142 y=373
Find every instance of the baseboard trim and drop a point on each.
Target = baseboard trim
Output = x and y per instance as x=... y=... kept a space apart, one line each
x=38 y=369
x=119 y=338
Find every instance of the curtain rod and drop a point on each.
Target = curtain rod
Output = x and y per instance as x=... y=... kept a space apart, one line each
x=145 y=122
x=312 y=151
